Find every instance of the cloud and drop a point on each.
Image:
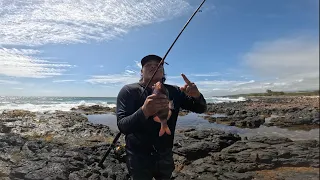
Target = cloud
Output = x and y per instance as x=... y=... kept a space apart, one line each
x=8 y=82
x=131 y=74
x=33 y=22
x=287 y=64
x=17 y=88
x=213 y=74
x=220 y=87
x=116 y=79
x=285 y=57
x=206 y=75
x=223 y=83
x=174 y=77
x=64 y=80
x=292 y=62
x=24 y=63
x=208 y=8
x=138 y=64
x=130 y=71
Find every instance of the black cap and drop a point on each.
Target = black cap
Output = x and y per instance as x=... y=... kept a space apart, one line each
x=150 y=57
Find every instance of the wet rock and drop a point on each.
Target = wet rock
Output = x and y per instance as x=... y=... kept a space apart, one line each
x=210 y=118
x=72 y=117
x=247 y=156
x=229 y=158
x=294 y=173
x=297 y=118
x=12 y=140
x=242 y=121
x=250 y=122
x=198 y=149
x=94 y=109
x=73 y=150
x=237 y=176
x=270 y=139
x=293 y=112
x=42 y=160
x=70 y=128
x=17 y=114
x=183 y=112
x=5 y=129
x=196 y=144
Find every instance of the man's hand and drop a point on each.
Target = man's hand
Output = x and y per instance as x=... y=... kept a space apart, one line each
x=154 y=103
x=190 y=88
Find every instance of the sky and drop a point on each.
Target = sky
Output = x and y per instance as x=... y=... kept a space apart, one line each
x=93 y=48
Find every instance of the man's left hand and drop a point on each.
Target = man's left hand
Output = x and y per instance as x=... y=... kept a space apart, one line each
x=190 y=88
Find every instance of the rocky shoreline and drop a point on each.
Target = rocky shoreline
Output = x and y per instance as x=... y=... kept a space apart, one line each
x=64 y=145
x=288 y=112
x=283 y=111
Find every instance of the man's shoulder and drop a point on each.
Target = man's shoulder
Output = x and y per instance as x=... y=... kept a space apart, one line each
x=130 y=89
x=132 y=85
x=172 y=87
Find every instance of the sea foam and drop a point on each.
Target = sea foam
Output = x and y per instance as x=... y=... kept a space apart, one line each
x=66 y=106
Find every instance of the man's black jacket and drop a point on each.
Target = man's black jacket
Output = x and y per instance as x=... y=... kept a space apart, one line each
x=142 y=135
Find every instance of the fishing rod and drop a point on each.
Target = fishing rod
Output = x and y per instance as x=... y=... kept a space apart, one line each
x=160 y=63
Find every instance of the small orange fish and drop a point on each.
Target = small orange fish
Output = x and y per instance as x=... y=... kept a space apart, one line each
x=163 y=115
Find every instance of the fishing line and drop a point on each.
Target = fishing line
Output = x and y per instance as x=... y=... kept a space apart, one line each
x=164 y=57
x=160 y=63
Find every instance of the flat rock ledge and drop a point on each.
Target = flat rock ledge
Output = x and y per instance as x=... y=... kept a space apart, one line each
x=94 y=109
x=212 y=154
x=199 y=155
x=289 y=112
x=64 y=145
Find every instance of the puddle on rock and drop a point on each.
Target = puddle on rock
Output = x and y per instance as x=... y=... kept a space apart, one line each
x=193 y=120
x=105 y=119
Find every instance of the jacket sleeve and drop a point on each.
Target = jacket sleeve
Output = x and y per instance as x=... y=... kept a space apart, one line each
x=197 y=105
x=129 y=117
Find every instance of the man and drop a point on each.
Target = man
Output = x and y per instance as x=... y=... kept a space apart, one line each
x=148 y=154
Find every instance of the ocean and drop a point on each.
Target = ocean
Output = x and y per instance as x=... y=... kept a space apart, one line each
x=192 y=120
x=50 y=104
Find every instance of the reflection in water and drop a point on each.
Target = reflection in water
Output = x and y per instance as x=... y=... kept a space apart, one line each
x=193 y=120
x=105 y=119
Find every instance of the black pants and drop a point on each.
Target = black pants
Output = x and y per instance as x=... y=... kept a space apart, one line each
x=145 y=167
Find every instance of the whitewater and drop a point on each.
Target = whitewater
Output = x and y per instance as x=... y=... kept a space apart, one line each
x=51 y=104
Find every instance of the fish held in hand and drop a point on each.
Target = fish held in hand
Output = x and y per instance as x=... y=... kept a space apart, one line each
x=163 y=115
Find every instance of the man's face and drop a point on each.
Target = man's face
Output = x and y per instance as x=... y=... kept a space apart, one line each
x=149 y=68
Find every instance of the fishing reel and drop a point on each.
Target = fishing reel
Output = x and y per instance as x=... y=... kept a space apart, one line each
x=120 y=152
